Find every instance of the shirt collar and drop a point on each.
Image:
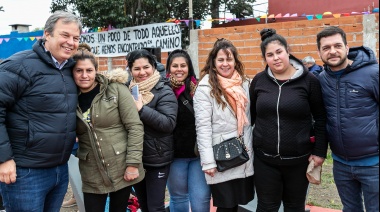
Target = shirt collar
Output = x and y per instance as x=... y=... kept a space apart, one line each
x=56 y=63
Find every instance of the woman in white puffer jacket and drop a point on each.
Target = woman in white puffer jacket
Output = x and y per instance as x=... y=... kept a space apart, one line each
x=221 y=105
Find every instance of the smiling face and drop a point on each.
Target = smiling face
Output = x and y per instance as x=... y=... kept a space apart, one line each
x=179 y=69
x=141 y=69
x=277 y=57
x=63 y=41
x=225 y=63
x=333 y=52
x=84 y=73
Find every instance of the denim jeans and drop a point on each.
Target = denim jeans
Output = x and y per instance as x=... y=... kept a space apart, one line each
x=355 y=182
x=36 y=190
x=187 y=186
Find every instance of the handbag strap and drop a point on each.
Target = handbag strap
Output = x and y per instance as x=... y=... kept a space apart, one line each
x=186 y=103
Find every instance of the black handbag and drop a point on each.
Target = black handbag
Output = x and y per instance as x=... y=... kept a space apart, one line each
x=230 y=153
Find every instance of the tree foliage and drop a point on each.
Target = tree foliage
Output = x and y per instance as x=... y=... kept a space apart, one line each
x=240 y=8
x=125 y=13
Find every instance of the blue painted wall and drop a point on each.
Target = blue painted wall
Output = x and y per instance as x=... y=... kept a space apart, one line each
x=17 y=42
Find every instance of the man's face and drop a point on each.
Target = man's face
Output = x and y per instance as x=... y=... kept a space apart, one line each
x=333 y=52
x=64 y=40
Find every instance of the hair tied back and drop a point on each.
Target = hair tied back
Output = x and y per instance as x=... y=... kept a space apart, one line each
x=84 y=47
x=266 y=33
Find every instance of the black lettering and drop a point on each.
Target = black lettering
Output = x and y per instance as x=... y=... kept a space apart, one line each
x=87 y=38
x=101 y=38
x=114 y=36
x=127 y=35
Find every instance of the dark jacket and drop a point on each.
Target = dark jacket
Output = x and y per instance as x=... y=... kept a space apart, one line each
x=352 y=104
x=185 y=135
x=116 y=129
x=282 y=114
x=316 y=69
x=159 y=119
x=37 y=109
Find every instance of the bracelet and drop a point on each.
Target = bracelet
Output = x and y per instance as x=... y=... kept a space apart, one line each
x=133 y=173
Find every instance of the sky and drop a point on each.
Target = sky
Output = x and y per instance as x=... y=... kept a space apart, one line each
x=36 y=12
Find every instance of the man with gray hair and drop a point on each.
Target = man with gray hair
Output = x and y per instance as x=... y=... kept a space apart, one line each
x=38 y=101
x=309 y=62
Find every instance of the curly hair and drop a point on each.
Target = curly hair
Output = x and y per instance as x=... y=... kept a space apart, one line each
x=230 y=50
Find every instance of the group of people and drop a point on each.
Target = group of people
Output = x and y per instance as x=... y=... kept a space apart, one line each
x=164 y=138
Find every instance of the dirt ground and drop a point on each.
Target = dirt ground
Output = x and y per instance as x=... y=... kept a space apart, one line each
x=68 y=195
x=323 y=195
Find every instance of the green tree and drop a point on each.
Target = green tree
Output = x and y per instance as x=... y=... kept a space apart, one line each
x=240 y=8
x=125 y=13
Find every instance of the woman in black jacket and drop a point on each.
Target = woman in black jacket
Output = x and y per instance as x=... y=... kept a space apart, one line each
x=285 y=97
x=157 y=106
x=187 y=183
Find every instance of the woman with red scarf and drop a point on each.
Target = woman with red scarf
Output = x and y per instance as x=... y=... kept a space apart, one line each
x=186 y=183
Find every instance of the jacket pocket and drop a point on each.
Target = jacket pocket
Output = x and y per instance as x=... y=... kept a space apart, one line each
x=354 y=95
x=82 y=155
x=120 y=147
x=117 y=162
x=29 y=141
x=303 y=141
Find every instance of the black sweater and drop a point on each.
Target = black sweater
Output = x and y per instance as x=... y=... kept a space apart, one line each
x=184 y=133
x=282 y=113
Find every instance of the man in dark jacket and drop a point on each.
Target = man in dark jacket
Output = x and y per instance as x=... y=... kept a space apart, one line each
x=350 y=87
x=38 y=99
x=314 y=68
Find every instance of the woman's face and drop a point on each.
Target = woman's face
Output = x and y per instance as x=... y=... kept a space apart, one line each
x=179 y=69
x=225 y=63
x=84 y=73
x=277 y=57
x=141 y=69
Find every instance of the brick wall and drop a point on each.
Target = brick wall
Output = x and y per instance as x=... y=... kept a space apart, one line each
x=300 y=35
x=121 y=62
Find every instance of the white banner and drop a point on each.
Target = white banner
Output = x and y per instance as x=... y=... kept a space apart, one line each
x=120 y=42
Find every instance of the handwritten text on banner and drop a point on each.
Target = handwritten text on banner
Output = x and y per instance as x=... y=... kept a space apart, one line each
x=120 y=42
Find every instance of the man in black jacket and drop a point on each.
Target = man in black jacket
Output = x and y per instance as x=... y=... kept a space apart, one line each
x=350 y=88
x=38 y=99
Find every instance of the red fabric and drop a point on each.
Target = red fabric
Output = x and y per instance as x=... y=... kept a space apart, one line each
x=133 y=204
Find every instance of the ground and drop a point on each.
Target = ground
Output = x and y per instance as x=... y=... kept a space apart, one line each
x=68 y=195
x=324 y=195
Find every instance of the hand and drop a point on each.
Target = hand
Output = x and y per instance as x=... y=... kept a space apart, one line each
x=8 y=172
x=210 y=172
x=139 y=103
x=318 y=161
x=131 y=173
